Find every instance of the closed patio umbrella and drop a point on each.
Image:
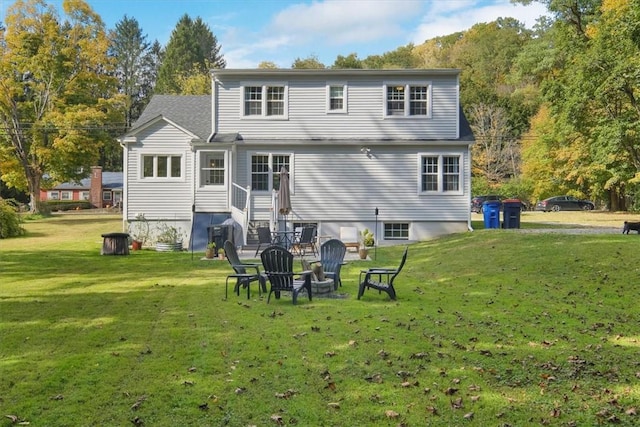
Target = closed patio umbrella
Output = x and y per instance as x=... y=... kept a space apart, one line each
x=284 y=194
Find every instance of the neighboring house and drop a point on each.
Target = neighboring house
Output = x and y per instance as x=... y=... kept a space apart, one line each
x=101 y=189
x=387 y=150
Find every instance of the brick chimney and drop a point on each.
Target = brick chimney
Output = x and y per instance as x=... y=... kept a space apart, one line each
x=95 y=193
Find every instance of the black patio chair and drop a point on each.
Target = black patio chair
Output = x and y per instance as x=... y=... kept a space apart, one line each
x=385 y=278
x=244 y=274
x=332 y=254
x=277 y=263
x=306 y=241
x=264 y=238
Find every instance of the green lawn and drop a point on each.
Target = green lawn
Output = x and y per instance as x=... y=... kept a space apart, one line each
x=491 y=328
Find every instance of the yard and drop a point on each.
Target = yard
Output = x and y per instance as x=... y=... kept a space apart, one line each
x=493 y=327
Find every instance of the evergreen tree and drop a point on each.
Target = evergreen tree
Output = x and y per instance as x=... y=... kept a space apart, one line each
x=192 y=46
x=136 y=67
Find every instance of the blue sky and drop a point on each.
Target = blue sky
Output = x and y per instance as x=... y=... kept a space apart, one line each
x=252 y=31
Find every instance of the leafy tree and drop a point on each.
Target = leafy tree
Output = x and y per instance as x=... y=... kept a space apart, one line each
x=311 y=62
x=191 y=48
x=194 y=82
x=10 y=219
x=496 y=155
x=56 y=94
x=402 y=57
x=592 y=85
x=267 y=65
x=350 y=61
x=136 y=68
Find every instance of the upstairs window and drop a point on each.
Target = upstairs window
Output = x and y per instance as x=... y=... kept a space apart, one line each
x=264 y=101
x=265 y=171
x=253 y=101
x=160 y=166
x=337 y=98
x=440 y=174
x=407 y=99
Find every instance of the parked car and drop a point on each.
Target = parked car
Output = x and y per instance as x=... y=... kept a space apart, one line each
x=476 y=202
x=564 y=203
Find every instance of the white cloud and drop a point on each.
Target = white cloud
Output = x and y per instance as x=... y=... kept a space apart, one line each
x=345 y=21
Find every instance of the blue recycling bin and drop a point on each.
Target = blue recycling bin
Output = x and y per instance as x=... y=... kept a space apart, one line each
x=511 y=213
x=491 y=211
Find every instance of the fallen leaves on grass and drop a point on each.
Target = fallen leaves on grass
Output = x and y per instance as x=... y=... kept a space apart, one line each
x=287 y=394
x=136 y=405
x=277 y=419
x=391 y=414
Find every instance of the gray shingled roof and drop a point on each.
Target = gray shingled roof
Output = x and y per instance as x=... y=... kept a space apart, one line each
x=110 y=180
x=192 y=112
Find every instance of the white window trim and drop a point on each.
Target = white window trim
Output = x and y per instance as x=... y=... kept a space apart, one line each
x=440 y=190
x=85 y=195
x=345 y=97
x=397 y=239
x=66 y=195
x=263 y=110
x=271 y=172
x=53 y=195
x=155 y=156
x=407 y=102
x=214 y=187
x=107 y=193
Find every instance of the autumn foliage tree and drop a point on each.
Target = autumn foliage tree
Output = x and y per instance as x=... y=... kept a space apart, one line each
x=56 y=94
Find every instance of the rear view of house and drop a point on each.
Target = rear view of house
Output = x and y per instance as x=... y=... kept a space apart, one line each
x=387 y=150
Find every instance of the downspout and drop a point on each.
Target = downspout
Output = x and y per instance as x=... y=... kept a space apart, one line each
x=196 y=176
x=125 y=187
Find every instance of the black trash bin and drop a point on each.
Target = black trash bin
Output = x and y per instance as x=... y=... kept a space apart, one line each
x=218 y=234
x=511 y=213
x=491 y=211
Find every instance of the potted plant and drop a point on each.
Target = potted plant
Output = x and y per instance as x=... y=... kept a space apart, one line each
x=210 y=251
x=169 y=238
x=139 y=232
x=221 y=253
x=367 y=242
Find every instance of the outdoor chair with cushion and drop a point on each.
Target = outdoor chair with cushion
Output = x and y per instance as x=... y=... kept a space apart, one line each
x=381 y=278
x=264 y=238
x=244 y=274
x=306 y=241
x=277 y=263
x=332 y=254
x=349 y=236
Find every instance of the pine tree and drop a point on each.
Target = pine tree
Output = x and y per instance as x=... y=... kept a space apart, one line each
x=192 y=46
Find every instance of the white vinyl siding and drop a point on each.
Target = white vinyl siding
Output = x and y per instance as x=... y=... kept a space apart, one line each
x=308 y=115
x=339 y=183
x=161 y=198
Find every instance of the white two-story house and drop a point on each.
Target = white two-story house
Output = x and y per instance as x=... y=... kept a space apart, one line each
x=387 y=150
